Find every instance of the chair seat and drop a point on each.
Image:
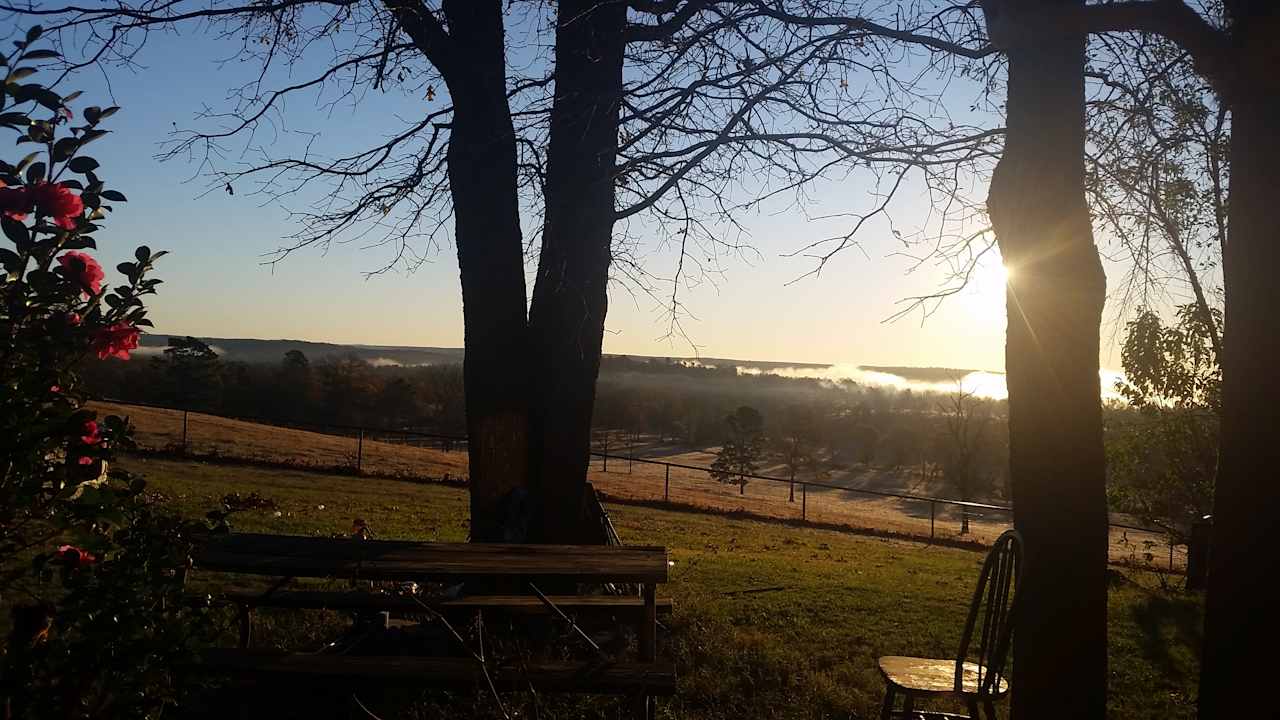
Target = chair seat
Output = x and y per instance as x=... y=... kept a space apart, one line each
x=926 y=675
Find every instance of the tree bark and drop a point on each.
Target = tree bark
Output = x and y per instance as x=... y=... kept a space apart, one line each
x=1241 y=625
x=567 y=314
x=1055 y=297
x=482 y=178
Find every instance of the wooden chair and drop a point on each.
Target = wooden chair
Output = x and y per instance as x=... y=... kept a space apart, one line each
x=979 y=682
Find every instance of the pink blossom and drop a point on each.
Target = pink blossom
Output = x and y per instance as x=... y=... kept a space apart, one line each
x=76 y=557
x=83 y=270
x=58 y=202
x=15 y=202
x=115 y=341
x=91 y=435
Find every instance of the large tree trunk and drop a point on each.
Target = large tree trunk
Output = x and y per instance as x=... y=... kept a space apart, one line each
x=1055 y=297
x=1240 y=612
x=482 y=178
x=567 y=315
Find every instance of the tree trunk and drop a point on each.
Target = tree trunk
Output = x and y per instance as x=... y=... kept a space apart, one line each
x=482 y=177
x=1240 y=614
x=1055 y=297
x=567 y=315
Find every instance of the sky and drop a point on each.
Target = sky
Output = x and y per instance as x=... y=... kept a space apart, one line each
x=218 y=282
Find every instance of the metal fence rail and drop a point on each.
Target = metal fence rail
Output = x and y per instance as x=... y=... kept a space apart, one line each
x=368 y=446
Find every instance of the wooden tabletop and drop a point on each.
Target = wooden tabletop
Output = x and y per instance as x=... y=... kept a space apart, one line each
x=299 y=556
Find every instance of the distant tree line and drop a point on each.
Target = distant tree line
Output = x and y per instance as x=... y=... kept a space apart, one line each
x=1162 y=446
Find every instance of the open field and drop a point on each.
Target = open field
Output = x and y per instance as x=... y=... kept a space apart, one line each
x=210 y=435
x=805 y=648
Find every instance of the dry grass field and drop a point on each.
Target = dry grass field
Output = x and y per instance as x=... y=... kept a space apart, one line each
x=211 y=436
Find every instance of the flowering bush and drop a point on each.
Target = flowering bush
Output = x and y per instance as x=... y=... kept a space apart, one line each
x=90 y=570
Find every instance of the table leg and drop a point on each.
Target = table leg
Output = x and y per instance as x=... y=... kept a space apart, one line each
x=648 y=641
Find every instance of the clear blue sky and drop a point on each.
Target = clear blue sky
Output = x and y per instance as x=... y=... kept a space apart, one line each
x=217 y=285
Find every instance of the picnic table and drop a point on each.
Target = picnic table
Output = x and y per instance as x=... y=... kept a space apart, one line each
x=523 y=567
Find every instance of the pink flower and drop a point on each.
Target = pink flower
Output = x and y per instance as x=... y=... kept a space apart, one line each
x=55 y=389
x=58 y=202
x=74 y=319
x=91 y=435
x=76 y=557
x=15 y=202
x=115 y=341
x=85 y=460
x=83 y=270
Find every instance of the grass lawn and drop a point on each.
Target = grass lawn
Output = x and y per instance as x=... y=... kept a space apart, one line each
x=804 y=647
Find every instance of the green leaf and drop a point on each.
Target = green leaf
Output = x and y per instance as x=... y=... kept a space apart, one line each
x=92 y=135
x=10 y=259
x=83 y=164
x=34 y=33
x=73 y=184
x=80 y=242
x=41 y=55
x=64 y=148
x=114 y=195
x=24 y=162
x=17 y=74
x=15 y=119
x=17 y=232
x=35 y=173
x=92 y=114
x=49 y=99
x=72 y=96
x=143 y=253
x=110 y=111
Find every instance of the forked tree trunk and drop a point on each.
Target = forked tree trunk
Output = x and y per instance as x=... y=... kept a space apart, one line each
x=482 y=177
x=1055 y=296
x=1241 y=625
x=567 y=315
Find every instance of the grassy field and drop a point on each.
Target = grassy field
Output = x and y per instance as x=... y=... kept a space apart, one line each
x=213 y=436
x=806 y=649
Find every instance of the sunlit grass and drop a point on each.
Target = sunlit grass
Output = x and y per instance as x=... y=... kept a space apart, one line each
x=802 y=646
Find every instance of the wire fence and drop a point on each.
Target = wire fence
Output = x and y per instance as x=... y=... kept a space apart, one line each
x=623 y=476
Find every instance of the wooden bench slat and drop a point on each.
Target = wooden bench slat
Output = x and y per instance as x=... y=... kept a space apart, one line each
x=301 y=556
x=358 y=600
x=620 y=677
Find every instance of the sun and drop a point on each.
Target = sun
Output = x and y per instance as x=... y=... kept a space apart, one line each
x=984 y=298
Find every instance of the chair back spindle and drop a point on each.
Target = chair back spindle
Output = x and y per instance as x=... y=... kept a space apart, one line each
x=994 y=603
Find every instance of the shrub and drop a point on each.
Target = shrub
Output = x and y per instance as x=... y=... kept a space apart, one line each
x=91 y=571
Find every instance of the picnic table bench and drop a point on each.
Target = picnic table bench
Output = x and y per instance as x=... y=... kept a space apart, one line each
x=505 y=566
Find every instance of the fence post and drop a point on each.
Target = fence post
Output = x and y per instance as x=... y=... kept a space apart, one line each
x=359 y=451
x=933 y=506
x=605 y=454
x=666 y=488
x=793 y=486
x=631 y=452
x=804 y=501
x=184 y=432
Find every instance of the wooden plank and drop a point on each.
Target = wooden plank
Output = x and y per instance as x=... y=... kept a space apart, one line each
x=359 y=600
x=620 y=677
x=300 y=556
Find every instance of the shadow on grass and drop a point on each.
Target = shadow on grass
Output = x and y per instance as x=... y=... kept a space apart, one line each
x=1171 y=633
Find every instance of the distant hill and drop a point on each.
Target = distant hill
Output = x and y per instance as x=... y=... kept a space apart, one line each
x=922 y=374
x=251 y=350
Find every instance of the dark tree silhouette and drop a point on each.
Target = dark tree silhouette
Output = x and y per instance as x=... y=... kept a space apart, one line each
x=718 y=114
x=1055 y=296
x=742 y=450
